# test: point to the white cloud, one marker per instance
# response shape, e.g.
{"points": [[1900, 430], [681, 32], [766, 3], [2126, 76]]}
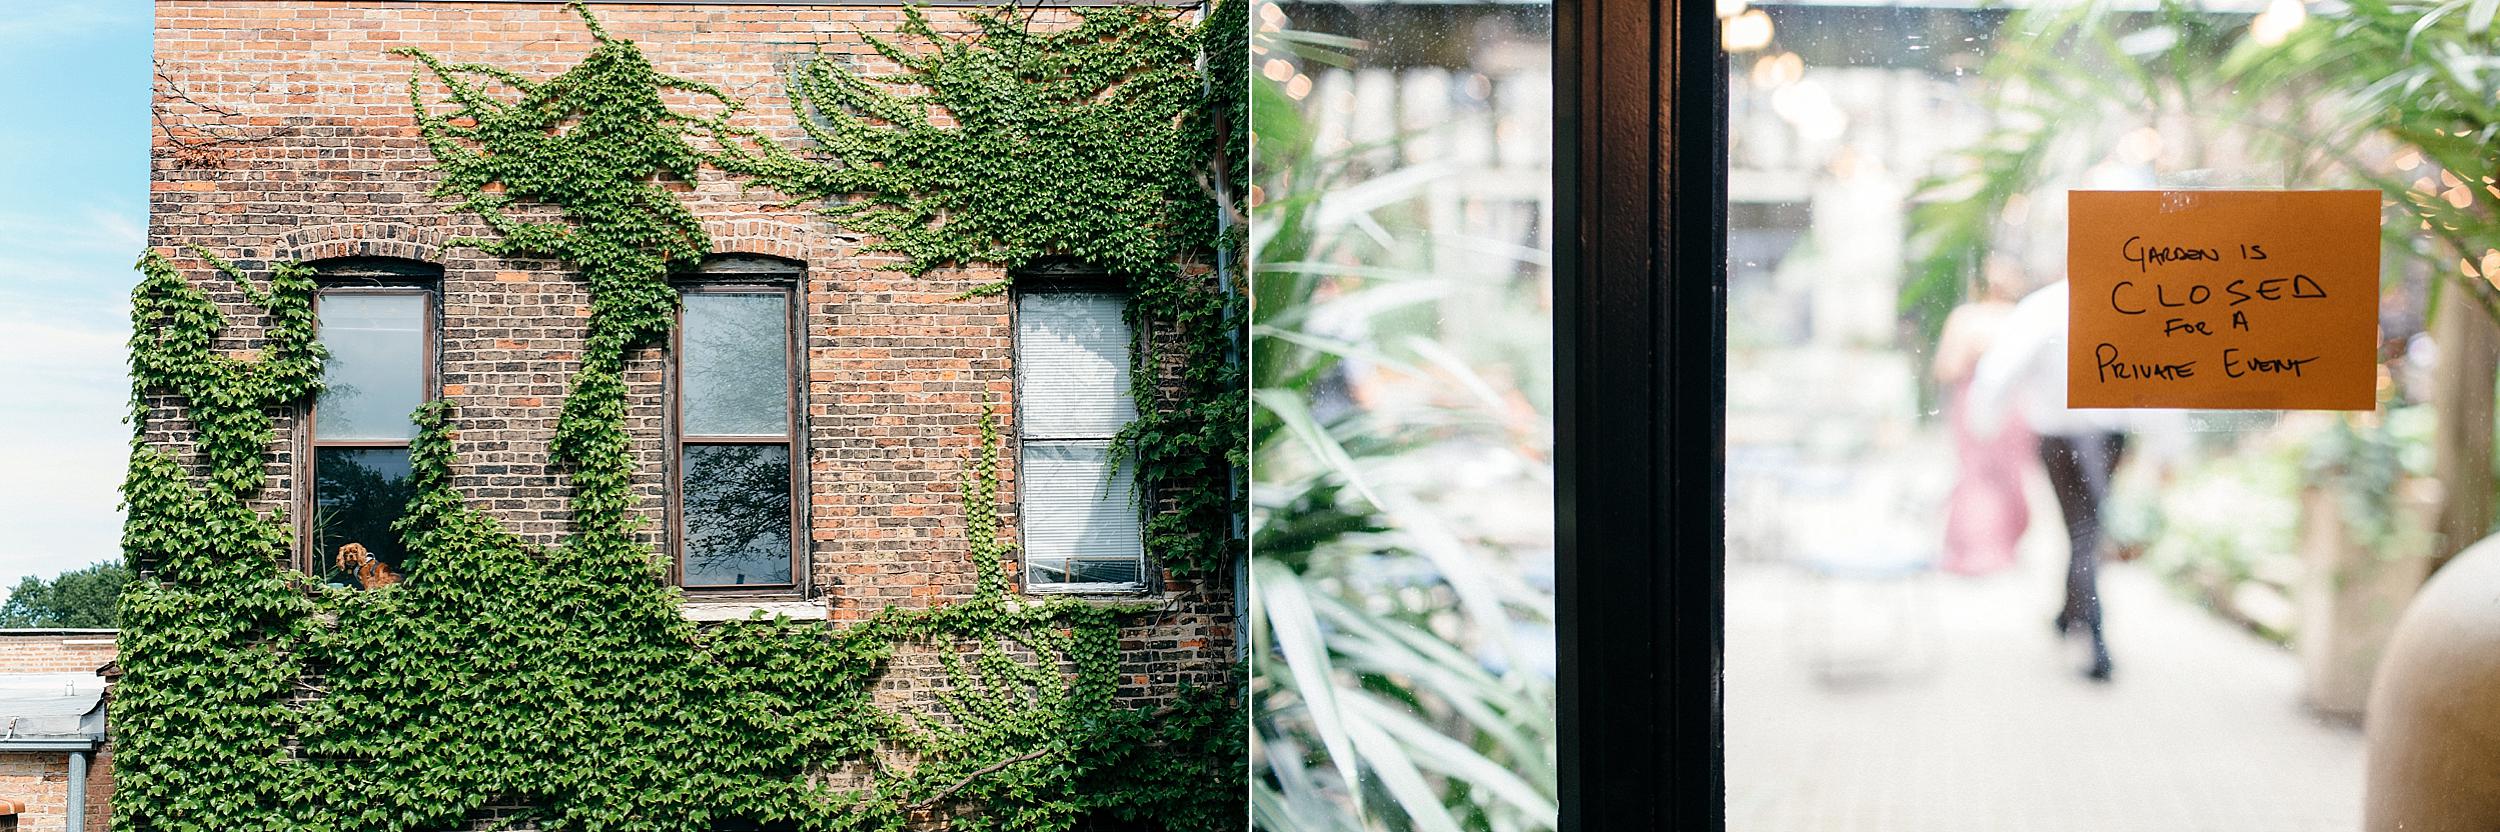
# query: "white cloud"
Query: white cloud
{"points": [[78, 244], [63, 341], [69, 490], [120, 230], [55, 341], [64, 326]]}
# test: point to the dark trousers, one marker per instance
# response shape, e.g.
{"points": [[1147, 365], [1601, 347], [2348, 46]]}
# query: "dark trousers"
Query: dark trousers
{"points": [[2079, 469]]}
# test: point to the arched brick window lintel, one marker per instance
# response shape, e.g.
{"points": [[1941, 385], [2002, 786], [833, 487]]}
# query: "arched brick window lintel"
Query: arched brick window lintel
{"points": [[334, 241]]}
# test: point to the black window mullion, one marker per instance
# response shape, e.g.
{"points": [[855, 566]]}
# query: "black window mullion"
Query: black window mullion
{"points": [[1640, 399]]}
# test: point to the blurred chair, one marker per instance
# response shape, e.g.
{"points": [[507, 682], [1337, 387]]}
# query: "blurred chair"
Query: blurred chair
{"points": [[1868, 609]]}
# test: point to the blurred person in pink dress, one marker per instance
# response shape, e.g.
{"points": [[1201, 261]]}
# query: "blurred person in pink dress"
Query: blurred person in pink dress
{"points": [[1986, 513]]}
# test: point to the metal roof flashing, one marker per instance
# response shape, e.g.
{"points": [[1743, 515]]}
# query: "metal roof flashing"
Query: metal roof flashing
{"points": [[51, 711]]}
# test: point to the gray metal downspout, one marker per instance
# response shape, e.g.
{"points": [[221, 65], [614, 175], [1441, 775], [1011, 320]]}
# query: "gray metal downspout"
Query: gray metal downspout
{"points": [[1233, 354], [1232, 475], [77, 810]]}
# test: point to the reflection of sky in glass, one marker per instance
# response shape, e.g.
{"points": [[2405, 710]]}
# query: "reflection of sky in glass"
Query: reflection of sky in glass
{"points": [[736, 364], [736, 501], [375, 374]]}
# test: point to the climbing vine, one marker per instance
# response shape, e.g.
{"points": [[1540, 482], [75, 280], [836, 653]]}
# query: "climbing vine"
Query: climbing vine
{"points": [[560, 688], [1105, 143]]}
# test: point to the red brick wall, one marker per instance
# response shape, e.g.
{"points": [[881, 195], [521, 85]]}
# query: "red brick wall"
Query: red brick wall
{"points": [[301, 146], [100, 788], [55, 651], [42, 780]]}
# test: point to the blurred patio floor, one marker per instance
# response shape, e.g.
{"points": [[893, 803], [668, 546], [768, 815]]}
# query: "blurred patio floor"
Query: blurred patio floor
{"points": [[2202, 729]]}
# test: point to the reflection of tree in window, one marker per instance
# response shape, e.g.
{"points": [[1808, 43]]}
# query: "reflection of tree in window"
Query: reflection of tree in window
{"points": [[358, 494], [736, 501]]}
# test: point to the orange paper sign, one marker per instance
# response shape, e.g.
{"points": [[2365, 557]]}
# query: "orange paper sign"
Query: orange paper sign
{"points": [[2223, 299]]}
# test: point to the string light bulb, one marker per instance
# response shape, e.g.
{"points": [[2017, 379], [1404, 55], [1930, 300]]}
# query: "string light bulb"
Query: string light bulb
{"points": [[2277, 22], [1746, 32]]}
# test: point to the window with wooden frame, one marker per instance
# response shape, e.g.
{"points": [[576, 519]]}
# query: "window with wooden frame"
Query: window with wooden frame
{"points": [[377, 321], [736, 467], [1080, 516]]}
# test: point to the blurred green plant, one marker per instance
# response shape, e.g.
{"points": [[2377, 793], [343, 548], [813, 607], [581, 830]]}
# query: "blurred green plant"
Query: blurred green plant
{"points": [[2364, 459], [2226, 528], [1397, 683], [2412, 82], [2228, 525]]}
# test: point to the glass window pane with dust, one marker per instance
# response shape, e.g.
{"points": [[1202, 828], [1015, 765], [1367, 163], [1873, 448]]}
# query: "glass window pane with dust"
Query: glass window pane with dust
{"points": [[1082, 523], [1402, 417], [1955, 602], [1072, 360], [357, 494], [734, 485], [736, 364]]}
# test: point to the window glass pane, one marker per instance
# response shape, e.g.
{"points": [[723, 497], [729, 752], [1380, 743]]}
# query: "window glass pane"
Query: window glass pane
{"points": [[357, 494], [736, 366], [2049, 618], [1046, 570], [1076, 506], [1040, 571], [1072, 364], [375, 375], [736, 501], [1401, 355], [1106, 571]]}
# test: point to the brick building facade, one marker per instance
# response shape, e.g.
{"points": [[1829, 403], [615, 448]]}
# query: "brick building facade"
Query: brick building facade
{"points": [[286, 134], [37, 666]]}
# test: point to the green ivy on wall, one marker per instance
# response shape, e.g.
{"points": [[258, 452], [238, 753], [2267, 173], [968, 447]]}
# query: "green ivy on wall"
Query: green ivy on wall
{"points": [[564, 680], [1105, 142]]}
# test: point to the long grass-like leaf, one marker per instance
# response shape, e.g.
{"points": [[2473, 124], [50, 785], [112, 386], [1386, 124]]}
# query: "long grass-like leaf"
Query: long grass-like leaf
{"points": [[1289, 408], [1415, 796], [1452, 758], [1295, 627]]}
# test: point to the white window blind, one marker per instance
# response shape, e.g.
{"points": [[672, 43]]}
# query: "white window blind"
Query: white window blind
{"points": [[1081, 522], [1072, 361]]}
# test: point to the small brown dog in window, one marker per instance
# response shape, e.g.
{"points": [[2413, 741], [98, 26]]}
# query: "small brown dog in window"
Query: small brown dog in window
{"points": [[369, 570]]}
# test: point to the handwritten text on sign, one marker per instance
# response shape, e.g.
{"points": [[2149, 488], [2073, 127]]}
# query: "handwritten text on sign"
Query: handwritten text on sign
{"points": [[2223, 299]]}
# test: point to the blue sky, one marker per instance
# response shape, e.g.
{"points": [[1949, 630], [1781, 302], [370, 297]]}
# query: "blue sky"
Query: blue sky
{"points": [[74, 81]]}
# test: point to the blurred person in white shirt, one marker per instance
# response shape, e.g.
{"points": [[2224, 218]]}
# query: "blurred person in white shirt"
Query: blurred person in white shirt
{"points": [[2024, 374]]}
